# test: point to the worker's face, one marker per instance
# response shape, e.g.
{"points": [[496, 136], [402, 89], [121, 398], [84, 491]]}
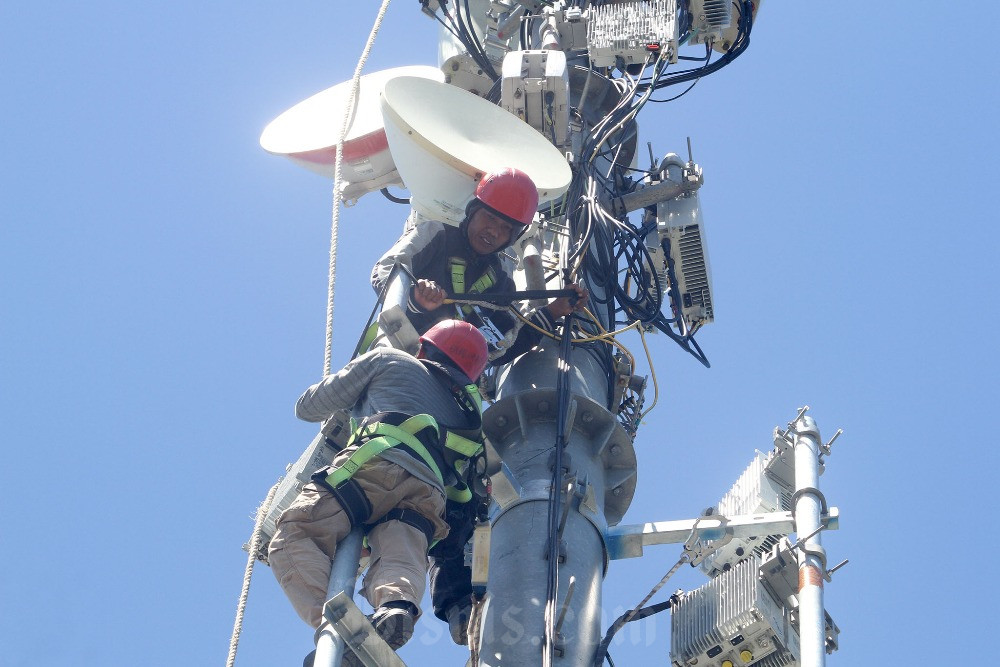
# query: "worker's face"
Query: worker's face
{"points": [[488, 232]]}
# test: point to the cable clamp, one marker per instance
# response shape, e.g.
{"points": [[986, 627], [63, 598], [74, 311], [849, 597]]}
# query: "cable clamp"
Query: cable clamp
{"points": [[811, 490], [814, 550], [696, 549]]}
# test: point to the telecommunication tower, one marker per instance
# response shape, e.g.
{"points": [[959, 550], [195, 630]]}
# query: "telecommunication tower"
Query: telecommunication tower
{"points": [[555, 88]]}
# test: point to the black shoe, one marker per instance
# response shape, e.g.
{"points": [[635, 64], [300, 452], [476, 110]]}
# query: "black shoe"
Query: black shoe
{"points": [[308, 660], [394, 622]]}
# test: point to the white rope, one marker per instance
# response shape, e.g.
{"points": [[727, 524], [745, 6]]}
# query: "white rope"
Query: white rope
{"points": [[475, 630], [507, 340], [351, 107], [254, 547], [349, 111]]}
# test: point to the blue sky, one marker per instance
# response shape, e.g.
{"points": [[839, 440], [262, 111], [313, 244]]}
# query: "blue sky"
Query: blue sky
{"points": [[163, 303]]}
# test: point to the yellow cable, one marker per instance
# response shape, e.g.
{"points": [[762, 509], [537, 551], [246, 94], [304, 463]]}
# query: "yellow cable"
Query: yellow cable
{"points": [[605, 336], [652, 372], [609, 337], [531, 324]]}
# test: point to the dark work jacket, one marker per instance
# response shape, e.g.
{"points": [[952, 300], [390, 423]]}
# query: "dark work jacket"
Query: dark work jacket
{"points": [[427, 250]]}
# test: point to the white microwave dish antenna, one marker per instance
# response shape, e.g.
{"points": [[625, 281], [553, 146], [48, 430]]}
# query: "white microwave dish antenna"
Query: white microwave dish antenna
{"points": [[444, 140], [308, 133]]}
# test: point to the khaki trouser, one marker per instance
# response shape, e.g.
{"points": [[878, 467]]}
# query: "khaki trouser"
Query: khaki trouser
{"points": [[307, 534]]}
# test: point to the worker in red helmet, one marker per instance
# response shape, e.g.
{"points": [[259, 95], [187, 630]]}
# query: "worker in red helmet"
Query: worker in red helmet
{"points": [[469, 259], [420, 428]]}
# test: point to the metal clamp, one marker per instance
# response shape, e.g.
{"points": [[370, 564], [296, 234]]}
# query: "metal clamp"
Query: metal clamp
{"points": [[812, 550], [783, 439], [828, 445], [696, 550], [814, 491]]}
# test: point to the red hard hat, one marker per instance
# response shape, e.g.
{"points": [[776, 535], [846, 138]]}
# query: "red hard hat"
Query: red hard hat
{"points": [[511, 193], [462, 343]]}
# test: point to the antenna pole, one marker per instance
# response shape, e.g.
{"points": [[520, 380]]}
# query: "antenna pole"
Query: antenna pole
{"points": [[343, 575], [809, 505]]}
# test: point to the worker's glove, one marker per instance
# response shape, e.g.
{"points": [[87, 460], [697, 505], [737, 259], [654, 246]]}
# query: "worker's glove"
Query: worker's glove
{"points": [[458, 621]]}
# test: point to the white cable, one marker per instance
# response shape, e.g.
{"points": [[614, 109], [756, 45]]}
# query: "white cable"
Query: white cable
{"points": [[253, 548], [351, 107]]}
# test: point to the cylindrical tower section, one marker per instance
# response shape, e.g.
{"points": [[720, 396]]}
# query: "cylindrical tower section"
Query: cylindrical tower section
{"points": [[599, 461], [808, 512]]}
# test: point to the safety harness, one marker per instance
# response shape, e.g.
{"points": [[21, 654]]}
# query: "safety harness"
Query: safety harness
{"points": [[485, 281], [467, 311], [436, 446]]}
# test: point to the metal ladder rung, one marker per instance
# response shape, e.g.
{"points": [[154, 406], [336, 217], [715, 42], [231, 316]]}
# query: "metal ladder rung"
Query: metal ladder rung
{"points": [[358, 633]]}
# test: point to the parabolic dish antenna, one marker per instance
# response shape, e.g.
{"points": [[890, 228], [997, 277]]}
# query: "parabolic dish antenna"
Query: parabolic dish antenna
{"points": [[444, 139], [307, 133]]}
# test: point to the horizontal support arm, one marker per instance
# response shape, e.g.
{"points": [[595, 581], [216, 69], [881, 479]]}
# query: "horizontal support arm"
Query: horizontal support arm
{"points": [[652, 194], [628, 541]]}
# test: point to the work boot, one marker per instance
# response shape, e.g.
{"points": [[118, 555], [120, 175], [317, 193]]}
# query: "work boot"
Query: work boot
{"points": [[458, 621], [393, 622]]}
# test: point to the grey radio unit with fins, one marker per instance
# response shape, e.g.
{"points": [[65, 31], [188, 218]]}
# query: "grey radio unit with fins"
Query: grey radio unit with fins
{"points": [[331, 439], [767, 485], [678, 251], [745, 617]]}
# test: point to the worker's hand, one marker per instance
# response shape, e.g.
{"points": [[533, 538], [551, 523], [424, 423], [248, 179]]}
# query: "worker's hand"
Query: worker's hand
{"points": [[428, 294], [562, 307]]}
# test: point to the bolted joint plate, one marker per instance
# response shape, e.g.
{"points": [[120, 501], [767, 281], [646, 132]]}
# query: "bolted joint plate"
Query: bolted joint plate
{"points": [[594, 435]]}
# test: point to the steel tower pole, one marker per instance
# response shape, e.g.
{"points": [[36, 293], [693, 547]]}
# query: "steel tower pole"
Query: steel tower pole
{"points": [[600, 466], [808, 508], [343, 576]]}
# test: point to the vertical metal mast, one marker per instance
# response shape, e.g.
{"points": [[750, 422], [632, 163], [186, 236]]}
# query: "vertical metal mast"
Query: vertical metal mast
{"points": [[565, 467], [598, 484], [809, 505], [343, 575]]}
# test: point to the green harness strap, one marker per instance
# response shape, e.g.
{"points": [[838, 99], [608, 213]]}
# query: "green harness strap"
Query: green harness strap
{"points": [[462, 445], [382, 437], [485, 281], [459, 441], [459, 495], [457, 275], [471, 403], [458, 265]]}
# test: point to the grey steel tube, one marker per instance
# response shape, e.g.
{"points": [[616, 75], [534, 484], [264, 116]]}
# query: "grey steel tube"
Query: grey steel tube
{"points": [[343, 575], [808, 510], [599, 458], [534, 273]]}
